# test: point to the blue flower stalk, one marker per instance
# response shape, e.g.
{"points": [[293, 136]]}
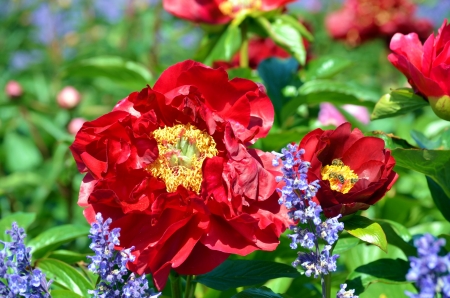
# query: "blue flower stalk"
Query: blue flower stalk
{"points": [[110, 264], [17, 277], [429, 271], [297, 195]]}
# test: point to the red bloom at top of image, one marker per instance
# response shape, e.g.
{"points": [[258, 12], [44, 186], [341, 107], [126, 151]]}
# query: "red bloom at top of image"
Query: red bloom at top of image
{"points": [[361, 20], [217, 11], [171, 167], [354, 171]]}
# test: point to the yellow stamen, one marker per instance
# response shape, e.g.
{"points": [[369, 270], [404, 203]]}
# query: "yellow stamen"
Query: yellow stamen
{"points": [[341, 177], [182, 150], [233, 7]]}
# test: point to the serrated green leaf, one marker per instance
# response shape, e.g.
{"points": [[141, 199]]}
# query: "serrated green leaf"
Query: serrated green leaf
{"points": [[383, 270], [262, 292], [64, 294], [318, 91], [367, 230], [325, 67], [398, 102], [225, 47], [128, 74], [239, 273], [65, 276], [52, 238], [67, 256], [23, 220], [21, 154]]}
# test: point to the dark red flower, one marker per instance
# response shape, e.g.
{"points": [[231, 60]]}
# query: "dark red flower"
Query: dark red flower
{"points": [[354, 171], [427, 67], [360, 20], [217, 11], [171, 167]]}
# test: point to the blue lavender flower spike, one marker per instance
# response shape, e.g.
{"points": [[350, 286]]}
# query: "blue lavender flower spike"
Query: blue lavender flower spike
{"points": [[16, 270], [110, 264], [346, 294]]}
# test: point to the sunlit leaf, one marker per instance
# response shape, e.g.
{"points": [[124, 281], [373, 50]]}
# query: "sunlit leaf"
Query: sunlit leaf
{"points": [[367, 230], [325, 67], [398, 102]]}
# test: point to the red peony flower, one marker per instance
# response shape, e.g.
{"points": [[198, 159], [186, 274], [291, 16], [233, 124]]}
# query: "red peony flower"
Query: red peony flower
{"points": [[427, 67], [217, 11], [361, 20], [171, 167], [354, 171]]}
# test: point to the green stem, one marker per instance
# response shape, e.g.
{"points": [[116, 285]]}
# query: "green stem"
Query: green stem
{"points": [[243, 52], [175, 282], [326, 285], [190, 287]]}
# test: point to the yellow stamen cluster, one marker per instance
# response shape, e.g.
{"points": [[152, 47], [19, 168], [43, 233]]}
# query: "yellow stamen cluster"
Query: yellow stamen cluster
{"points": [[182, 150], [341, 177], [232, 7]]}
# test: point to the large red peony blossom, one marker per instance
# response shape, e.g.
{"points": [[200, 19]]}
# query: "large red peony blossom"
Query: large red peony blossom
{"points": [[427, 67], [171, 167], [361, 20], [354, 171], [217, 11]]}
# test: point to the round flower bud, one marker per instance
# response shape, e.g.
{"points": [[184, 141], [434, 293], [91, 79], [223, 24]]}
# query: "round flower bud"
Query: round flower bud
{"points": [[68, 97], [74, 125], [13, 89]]}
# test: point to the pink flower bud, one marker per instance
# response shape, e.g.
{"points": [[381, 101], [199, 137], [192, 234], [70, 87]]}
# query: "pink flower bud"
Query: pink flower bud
{"points": [[68, 97], [13, 89], [330, 115], [74, 125]]}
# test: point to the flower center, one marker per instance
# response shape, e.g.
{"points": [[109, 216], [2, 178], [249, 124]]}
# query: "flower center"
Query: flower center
{"points": [[232, 7], [341, 177], [182, 150]]}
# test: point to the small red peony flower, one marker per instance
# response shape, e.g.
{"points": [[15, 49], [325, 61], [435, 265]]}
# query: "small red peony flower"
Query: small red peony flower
{"points": [[171, 167], [354, 171], [361, 20], [218, 11], [427, 67]]}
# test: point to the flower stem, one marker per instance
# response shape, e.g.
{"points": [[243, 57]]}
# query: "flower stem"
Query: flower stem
{"points": [[175, 282], [243, 52], [326, 285], [190, 287]]}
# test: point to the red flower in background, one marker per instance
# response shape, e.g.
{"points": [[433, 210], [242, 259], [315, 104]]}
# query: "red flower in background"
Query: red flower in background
{"points": [[360, 20], [171, 167], [427, 67], [217, 11], [354, 171]]}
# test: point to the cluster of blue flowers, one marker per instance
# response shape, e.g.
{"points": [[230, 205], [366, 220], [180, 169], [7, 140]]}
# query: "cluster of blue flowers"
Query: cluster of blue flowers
{"points": [[110, 265], [297, 194], [429, 271], [17, 277]]}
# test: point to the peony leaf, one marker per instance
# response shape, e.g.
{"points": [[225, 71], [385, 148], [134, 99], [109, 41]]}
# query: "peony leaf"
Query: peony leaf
{"points": [[225, 46], [344, 244], [423, 142], [297, 25], [440, 198], [65, 276], [367, 230], [318, 91], [262, 292], [376, 271], [23, 220], [397, 235], [239, 273], [398, 102], [391, 141], [325, 67], [45, 242]]}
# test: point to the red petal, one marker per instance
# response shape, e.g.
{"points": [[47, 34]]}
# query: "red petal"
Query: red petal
{"points": [[363, 150], [196, 11]]}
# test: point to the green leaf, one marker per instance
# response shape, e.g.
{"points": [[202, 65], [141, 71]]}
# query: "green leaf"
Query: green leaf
{"points": [[383, 270], [325, 67], [318, 91], [398, 102], [239, 273], [67, 256], [48, 125], [127, 74], [440, 198], [24, 220], [277, 140], [262, 292], [344, 244], [276, 74], [391, 141], [226, 46], [65, 276], [433, 163], [434, 228], [19, 179], [240, 72], [447, 241], [294, 22], [52, 238], [64, 294], [367, 230], [21, 153], [397, 235], [423, 141]]}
